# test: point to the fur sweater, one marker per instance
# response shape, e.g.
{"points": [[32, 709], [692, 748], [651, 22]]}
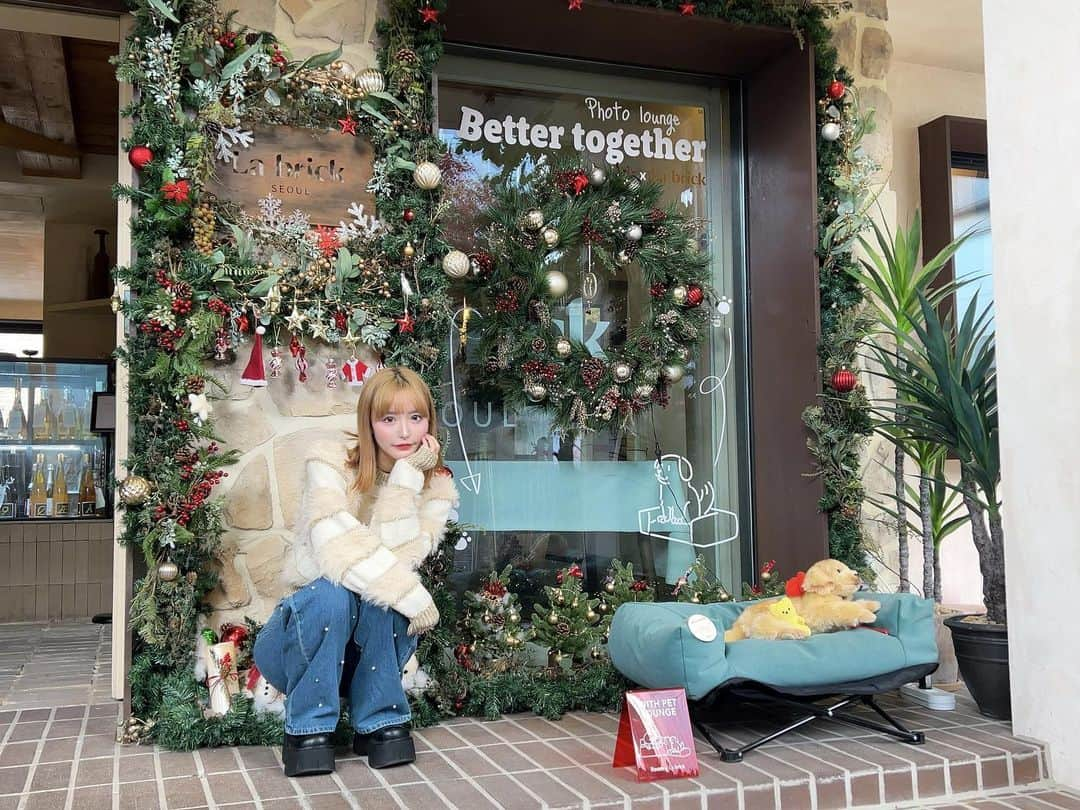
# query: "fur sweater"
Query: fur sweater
{"points": [[370, 543]]}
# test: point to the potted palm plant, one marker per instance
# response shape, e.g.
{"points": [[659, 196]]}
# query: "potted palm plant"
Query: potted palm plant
{"points": [[946, 382]]}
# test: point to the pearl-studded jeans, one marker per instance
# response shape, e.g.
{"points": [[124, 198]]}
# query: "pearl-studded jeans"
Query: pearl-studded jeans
{"points": [[301, 651]]}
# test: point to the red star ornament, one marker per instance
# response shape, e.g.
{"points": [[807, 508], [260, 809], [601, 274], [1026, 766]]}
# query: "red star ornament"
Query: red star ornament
{"points": [[687, 9], [405, 323], [347, 124], [429, 15], [573, 5]]}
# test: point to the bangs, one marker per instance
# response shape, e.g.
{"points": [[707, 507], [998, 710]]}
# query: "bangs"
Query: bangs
{"points": [[399, 396]]}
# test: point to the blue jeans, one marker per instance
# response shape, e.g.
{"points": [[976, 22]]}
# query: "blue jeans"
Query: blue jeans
{"points": [[301, 651]]}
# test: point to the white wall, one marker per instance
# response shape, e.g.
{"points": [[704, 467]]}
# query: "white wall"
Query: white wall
{"points": [[1033, 108]]}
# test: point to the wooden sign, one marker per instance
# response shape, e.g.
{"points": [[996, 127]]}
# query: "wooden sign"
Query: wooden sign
{"points": [[655, 735], [321, 172]]}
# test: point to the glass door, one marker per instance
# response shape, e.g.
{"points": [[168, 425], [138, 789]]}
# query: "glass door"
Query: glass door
{"points": [[675, 483]]}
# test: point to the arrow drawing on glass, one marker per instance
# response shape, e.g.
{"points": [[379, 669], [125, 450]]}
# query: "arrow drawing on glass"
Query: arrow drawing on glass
{"points": [[471, 481]]}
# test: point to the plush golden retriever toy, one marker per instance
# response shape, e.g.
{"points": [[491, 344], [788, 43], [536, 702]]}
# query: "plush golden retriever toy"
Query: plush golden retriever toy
{"points": [[821, 597]]}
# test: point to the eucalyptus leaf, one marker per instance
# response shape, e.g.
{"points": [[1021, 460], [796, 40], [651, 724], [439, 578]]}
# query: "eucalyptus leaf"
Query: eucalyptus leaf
{"points": [[318, 60], [237, 64], [163, 9], [272, 98], [387, 97], [197, 69], [263, 287], [370, 110], [402, 163]]}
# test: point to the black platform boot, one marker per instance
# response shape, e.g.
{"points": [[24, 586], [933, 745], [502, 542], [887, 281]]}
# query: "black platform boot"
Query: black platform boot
{"points": [[386, 747], [308, 754]]}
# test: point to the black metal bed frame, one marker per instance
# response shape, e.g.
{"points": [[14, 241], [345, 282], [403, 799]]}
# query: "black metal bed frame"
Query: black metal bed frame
{"points": [[837, 698]]}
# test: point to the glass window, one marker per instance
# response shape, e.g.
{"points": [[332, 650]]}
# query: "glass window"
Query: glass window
{"points": [[546, 500], [971, 214]]}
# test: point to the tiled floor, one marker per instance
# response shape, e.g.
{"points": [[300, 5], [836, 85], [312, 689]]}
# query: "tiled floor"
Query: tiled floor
{"points": [[63, 756], [54, 664]]}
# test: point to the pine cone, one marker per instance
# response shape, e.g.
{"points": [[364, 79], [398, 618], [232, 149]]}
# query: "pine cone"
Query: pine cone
{"points": [[407, 56], [562, 628], [195, 385]]}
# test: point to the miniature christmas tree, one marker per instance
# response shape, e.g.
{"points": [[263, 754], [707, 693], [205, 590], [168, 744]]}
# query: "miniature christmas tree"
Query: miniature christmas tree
{"points": [[567, 625], [491, 625], [700, 586], [769, 584], [620, 586]]}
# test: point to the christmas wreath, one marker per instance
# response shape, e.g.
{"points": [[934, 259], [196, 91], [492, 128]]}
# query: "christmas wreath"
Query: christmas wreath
{"points": [[527, 231]]}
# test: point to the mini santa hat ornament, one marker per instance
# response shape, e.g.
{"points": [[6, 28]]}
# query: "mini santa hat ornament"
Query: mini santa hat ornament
{"points": [[254, 375]]}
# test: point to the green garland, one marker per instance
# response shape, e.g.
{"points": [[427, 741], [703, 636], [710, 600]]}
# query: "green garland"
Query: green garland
{"points": [[199, 78]]}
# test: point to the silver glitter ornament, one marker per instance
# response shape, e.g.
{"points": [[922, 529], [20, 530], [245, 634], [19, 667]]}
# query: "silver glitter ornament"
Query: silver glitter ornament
{"points": [[678, 294], [456, 264], [597, 176], [533, 220], [563, 347], [621, 371], [634, 233], [550, 237], [673, 372], [557, 283]]}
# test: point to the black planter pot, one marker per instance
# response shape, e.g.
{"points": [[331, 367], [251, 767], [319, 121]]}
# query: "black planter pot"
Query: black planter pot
{"points": [[982, 653]]}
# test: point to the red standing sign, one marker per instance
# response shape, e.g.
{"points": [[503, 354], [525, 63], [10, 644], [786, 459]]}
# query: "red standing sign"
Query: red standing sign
{"points": [[655, 735]]}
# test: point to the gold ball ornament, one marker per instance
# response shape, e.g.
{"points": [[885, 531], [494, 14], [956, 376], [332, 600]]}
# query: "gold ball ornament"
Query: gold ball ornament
{"points": [[533, 220], [513, 617], [550, 237], [370, 81], [678, 294], [134, 490], [409, 251], [622, 371], [427, 175], [536, 392], [456, 264], [168, 571], [563, 347], [609, 587], [591, 616], [695, 599], [553, 617], [766, 576], [114, 303], [557, 283], [673, 372]]}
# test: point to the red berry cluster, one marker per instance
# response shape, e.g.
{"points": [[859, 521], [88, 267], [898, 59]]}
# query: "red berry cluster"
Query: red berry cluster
{"points": [[507, 302], [548, 372], [182, 425], [227, 40], [163, 279], [198, 495], [166, 337], [181, 306], [341, 320], [483, 261], [278, 58], [639, 585], [589, 233], [218, 307]]}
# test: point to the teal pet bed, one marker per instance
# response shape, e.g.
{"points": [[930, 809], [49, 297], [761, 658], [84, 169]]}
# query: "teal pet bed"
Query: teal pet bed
{"points": [[652, 645]]}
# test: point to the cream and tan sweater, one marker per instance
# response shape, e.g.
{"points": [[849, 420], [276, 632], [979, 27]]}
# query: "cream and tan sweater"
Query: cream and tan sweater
{"points": [[371, 543]]}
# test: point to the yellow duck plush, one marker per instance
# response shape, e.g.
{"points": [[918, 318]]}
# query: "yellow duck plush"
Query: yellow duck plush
{"points": [[779, 620]]}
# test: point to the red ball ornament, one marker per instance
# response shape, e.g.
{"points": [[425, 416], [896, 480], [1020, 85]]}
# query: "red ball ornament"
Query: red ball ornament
{"points": [[836, 90], [843, 380], [139, 156], [694, 295], [408, 215], [236, 633]]}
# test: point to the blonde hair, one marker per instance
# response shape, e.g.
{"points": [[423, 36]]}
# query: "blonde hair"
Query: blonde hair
{"points": [[376, 399]]}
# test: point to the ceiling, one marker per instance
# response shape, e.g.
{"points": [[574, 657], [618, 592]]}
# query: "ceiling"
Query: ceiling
{"points": [[55, 103], [941, 34]]}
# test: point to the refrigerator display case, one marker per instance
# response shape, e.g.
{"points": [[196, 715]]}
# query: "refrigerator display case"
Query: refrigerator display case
{"points": [[53, 465]]}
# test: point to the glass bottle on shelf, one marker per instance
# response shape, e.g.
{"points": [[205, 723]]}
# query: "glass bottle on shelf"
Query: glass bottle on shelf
{"points": [[9, 488], [39, 497], [40, 416], [87, 496], [49, 483], [68, 417], [59, 490], [17, 427], [98, 284]]}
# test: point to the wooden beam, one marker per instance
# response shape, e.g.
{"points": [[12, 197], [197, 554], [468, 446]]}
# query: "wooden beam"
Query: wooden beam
{"points": [[14, 137], [34, 89]]}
